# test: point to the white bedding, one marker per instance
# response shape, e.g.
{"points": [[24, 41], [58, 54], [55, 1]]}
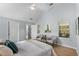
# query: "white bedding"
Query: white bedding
{"points": [[33, 48]]}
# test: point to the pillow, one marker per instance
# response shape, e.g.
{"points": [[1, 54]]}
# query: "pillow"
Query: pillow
{"points": [[5, 51], [12, 46]]}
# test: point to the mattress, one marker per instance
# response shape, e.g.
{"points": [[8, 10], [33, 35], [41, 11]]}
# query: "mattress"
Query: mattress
{"points": [[33, 48]]}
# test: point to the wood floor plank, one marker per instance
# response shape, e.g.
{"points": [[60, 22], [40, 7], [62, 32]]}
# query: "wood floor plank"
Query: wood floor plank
{"points": [[64, 51]]}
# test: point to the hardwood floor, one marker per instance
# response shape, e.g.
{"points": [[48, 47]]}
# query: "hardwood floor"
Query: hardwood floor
{"points": [[64, 51]]}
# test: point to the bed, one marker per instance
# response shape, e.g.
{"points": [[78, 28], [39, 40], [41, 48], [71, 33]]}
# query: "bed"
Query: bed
{"points": [[33, 48]]}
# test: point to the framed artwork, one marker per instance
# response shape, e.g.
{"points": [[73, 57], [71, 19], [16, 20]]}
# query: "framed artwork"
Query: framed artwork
{"points": [[64, 30]]}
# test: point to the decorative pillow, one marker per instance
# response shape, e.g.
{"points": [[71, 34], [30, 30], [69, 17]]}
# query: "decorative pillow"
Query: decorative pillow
{"points": [[12, 46], [43, 37], [38, 37]]}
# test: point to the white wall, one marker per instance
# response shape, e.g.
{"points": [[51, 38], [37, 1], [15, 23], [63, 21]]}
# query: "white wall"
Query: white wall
{"points": [[3, 29], [58, 13], [22, 31], [77, 15]]}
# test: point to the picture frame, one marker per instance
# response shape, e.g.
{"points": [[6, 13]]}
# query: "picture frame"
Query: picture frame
{"points": [[64, 30]]}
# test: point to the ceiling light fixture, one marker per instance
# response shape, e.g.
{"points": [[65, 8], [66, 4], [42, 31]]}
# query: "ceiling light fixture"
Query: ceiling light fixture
{"points": [[33, 7]]}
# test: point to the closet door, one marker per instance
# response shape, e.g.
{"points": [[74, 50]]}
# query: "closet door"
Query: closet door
{"points": [[13, 31]]}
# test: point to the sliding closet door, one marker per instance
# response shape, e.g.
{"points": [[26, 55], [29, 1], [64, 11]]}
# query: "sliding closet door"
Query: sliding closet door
{"points": [[13, 31]]}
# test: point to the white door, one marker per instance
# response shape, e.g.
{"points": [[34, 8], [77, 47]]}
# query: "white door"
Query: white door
{"points": [[14, 31]]}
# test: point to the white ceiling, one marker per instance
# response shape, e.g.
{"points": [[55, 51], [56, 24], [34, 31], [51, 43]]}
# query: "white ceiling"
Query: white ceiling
{"points": [[21, 11], [14, 11]]}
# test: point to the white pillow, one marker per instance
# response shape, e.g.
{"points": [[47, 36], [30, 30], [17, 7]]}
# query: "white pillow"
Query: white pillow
{"points": [[5, 51], [51, 36]]}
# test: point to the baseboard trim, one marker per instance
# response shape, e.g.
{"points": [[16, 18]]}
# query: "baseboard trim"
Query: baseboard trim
{"points": [[77, 52], [66, 46]]}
